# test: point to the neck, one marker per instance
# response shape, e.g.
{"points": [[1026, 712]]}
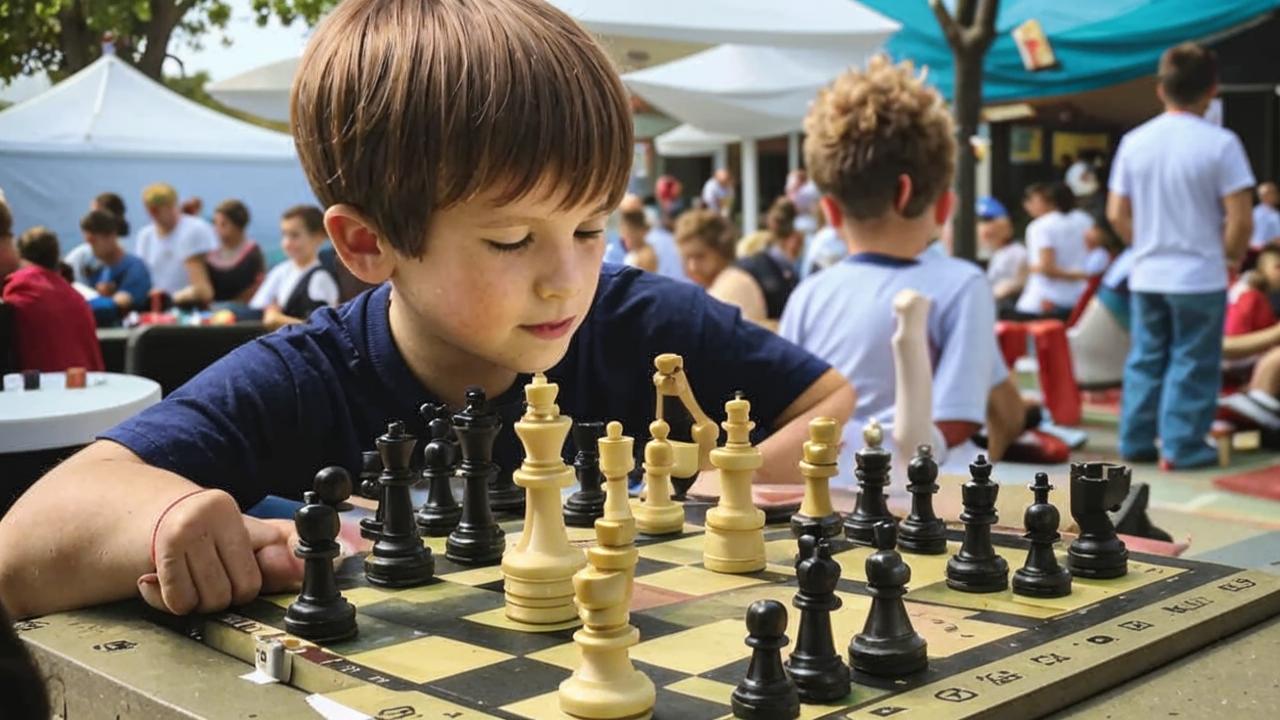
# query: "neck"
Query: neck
{"points": [[112, 256], [442, 368], [166, 229], [304, 262], [233, 242], [1199, 109], [891, 236]]}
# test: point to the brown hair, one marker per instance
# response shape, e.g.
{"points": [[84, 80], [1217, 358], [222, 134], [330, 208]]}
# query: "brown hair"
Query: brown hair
{"points": [[6, 220], [39, 245], [1187, 73], [404, 107], [634, 219], [114, 204], [781, 219], [1056, 193], [708, 227], [100, 222], [234, 211], [310, 215], [867, 128]]}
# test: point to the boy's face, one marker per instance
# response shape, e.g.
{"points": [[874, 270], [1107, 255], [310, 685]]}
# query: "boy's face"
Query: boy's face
{"points": [[632, 236], [701, 263], [1269, 266], [102, 244], [225, 229], [165, 216], [507, 284], [299, 245], [992, 233], [1036, 205]]}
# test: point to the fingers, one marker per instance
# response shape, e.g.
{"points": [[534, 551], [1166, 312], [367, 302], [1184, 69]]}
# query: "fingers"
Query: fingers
{"points": [[177, 590], [149, 589], [281, 569], [236, 554], [213, 587]]}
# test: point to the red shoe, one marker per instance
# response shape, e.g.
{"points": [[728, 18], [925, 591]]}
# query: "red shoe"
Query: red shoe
{"points": [[1038, 448]]}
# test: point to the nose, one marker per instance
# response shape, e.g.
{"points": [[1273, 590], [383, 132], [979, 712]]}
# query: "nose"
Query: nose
{"points": [[559, 276]]}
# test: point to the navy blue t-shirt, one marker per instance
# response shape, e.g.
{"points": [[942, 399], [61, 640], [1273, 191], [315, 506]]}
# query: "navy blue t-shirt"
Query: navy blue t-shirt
{"points": [[266, 417]]}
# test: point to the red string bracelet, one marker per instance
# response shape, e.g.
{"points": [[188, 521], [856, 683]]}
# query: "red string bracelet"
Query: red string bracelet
{"points": [[156, 529]]}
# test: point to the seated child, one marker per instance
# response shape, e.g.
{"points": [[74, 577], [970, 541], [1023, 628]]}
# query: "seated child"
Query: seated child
{"points": [[633, 227], [121, 280], [1007, 267], [299, 285], [84, 266], [53, 326], [1056, 246], [483, 227], [1248, 300], [236, 266], [886, 180]]}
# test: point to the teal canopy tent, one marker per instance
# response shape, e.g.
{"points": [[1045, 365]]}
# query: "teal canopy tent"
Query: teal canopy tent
{"points": [[1098, 43]]}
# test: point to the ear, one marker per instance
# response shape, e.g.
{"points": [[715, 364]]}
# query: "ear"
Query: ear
{"points": [[832, 210], [942, 209], [903, 194], [356, 241]]}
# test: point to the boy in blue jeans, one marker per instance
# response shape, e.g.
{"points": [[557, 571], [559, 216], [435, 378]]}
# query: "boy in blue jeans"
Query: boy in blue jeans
{"points": [[469, 153], [1180, 194]]}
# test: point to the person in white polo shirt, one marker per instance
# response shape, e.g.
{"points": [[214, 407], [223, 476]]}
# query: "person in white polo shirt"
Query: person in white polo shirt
{"points": [[1056, 252], [173, 246], [1181, 188]]}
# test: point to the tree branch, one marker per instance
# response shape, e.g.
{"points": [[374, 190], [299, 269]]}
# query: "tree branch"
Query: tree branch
{"points": [[965, 12], [987, 15], [950, 30]]}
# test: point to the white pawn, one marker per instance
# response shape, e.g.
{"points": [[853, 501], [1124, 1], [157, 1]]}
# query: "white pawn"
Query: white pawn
{"points": [[657, 513], [735, 526], [538, 571]]}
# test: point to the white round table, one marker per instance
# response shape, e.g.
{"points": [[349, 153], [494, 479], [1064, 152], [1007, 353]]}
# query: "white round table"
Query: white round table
{"points": [[55, 417]]}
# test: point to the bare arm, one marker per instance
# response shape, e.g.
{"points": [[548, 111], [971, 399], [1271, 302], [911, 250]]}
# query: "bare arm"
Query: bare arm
{"points": [[1235, 347], [1239, 225], [1120, 213], [1047, 265], [1013, 287], [829, 396], [200, 291]]}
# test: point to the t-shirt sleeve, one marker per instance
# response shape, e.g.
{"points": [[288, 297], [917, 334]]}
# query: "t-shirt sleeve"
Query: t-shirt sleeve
{"points": [[1119, 182], [966, 339], [198, 241], [221, 427], [137, 282], [1234, 171], [323, 288], [791, 326]]}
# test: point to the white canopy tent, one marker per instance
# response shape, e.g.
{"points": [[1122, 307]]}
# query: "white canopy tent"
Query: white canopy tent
{"points": [[111, 128], [689, 141], [262, 91]]}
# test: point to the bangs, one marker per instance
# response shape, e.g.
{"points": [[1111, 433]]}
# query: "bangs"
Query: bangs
{"points": [[403, 107]]}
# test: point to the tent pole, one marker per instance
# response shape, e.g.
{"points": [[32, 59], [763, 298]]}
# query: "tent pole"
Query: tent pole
{"points": [[750, 186], [793, 151]]}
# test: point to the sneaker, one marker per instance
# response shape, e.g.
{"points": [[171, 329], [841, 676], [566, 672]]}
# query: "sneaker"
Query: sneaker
{"points": [[1247, 406]]}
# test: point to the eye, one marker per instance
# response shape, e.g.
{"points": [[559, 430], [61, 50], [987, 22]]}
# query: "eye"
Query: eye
{"points": [[589, 234], [506, 247]]}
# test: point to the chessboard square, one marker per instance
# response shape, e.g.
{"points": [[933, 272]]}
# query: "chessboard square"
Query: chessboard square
{"points": [[674, 705], [1005, 602], [520, 678], [661, 675], [497, 617], [564, 655], [696, 650], [1139, 575], [709, 690], [648, 566], [475, 576], [781, 552], [644, 597], [541, 707], [686, 550], [698, 581], [427, 659]]}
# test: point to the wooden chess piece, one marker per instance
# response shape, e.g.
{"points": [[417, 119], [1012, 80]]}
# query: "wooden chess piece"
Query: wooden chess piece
{"points": [[977, 568], [818, 670], [691, 456], [538, 572], [817, 467], [656, 513], [371, 489], [766, 693], [912, 375], [1097, 553], [1041, 575], [922, 531], [735, 526], [333, 486], [872, 471], [584, 506], [605, 685], [477, 540], [440, 514], [320, 613], [398, 558], [888, 645]]}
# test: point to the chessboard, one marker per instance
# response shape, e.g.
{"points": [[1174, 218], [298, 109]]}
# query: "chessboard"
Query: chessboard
{"points": [[447, 650]]}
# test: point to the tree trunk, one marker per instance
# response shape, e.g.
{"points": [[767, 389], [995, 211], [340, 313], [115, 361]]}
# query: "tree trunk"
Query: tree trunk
{"points": [[75, 40], [968, 107], [165, 16]]}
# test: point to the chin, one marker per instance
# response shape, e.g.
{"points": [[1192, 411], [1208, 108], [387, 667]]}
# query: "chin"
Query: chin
{"points": [[535, 359]]}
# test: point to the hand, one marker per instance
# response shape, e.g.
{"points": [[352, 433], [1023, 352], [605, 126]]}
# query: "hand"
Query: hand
{"points": [[106, 289], [123, 300], [208, 556]]}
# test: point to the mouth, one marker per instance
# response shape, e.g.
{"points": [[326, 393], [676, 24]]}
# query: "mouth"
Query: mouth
{"points": [[550, 330]]}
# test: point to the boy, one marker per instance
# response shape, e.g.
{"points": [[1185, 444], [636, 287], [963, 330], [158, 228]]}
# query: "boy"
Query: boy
{"points": [[1187, 215], [53, 326], [1007, 266], [886, 189], [120, 279], [483, 224], [174, 245], [633, 227], [300, 285]]}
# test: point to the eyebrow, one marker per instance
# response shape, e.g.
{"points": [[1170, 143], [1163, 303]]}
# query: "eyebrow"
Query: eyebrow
{"points": [[505, 221]]}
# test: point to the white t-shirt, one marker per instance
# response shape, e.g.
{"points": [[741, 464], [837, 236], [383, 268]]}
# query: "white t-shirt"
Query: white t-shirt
{"points": [[1063, 234], [281, 280], [717, 197], [1006, 263], [1096, 262], [1266, 225], [844, 315], [1175, 169], [165, 256]]}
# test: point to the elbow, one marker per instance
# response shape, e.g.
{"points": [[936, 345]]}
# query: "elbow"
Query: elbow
{"points": [[843, 401]]}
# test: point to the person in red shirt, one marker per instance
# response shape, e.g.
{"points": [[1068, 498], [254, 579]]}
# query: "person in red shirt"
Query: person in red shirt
{"points": [[1248, 302], [53, 325]]}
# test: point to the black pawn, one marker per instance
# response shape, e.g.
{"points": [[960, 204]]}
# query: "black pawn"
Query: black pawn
{"points": [[320, 613], [439, 515], [477, 540], [888, 645], [977, 568], [398, 559], [371, 489], [922, 531], [333, 487], [1041, 575], [766, 693], [872, 471], [818, 670], [583, 507], [1096, 488]]}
